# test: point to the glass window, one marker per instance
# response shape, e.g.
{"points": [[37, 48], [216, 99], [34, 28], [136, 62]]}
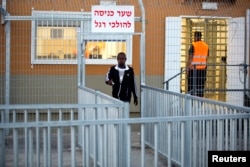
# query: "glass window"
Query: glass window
{"points": [[54, 41], [104, 49]]}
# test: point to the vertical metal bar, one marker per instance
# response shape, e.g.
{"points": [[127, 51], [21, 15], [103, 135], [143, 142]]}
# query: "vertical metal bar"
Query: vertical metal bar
{"points": [[86, 146], [194, 146], [142, 52], [73, 144], [105, 140], [188, 132], [82, 137], [7, 73], [30, 152], [37, 141], [2, 148], [239, 132], [142, 145], [15, 141], [101, 147], [45, 147], [60, 142], [226, 134], [232, 134], [83, 145], [208, 137], [49, 139], [114, 151], [81, 57], [219, 134], [222, 124], [128, 145], [169, 144], [245, 135], [204, 153], [142, 43], [194, 80], [126, 135], [121, 139], [2, 153], [156, 144], [26, 139], [182, 144], [245, 81], [247, 48], [94, 140]]}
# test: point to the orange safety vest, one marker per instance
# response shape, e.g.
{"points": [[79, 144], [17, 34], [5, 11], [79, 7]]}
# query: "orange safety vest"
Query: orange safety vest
{"points": [[200, 55]]}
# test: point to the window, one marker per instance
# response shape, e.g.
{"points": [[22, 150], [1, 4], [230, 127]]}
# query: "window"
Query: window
{"points": [[55, 41], [102, 48], [105, 51]]}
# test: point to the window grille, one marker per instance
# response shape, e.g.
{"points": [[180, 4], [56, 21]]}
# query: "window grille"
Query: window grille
{"points": [[56, 33], [55, 41]]}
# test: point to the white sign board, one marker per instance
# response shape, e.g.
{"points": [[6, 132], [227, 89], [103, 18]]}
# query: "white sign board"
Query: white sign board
{"points": [[112, 19]]}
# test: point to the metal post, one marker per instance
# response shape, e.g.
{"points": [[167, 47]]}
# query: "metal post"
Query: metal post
{"points": [[142, 51], [167, 85], [194, 81], [80, 60], [245, 81], [7, 74], [187, 133]]}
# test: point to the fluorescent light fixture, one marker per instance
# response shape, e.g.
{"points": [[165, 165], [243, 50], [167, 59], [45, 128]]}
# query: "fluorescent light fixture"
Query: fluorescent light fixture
{"points": [[209, 5], [107, 2]]}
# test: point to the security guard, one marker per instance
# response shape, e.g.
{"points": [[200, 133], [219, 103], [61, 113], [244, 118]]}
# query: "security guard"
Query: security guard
{"points": [[197, 65]]}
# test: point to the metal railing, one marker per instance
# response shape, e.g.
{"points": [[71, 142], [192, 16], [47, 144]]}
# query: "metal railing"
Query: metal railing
{"points": [[112, 151], [174, 127], [224, 131], [243, 68], [48, 135], [53, 143]]}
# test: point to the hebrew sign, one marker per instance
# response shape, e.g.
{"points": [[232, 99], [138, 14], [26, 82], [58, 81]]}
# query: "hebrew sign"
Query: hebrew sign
{"points": [[112, 19]]}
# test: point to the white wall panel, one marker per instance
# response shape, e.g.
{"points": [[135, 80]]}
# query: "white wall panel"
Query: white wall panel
{"points": [[172, 52], [235, 57]]}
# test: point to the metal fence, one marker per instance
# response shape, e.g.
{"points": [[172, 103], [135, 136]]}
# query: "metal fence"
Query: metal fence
{"points": [[105, 143], [50, 135], [212, 126], [174, 128], [61, 132], [224, 90]]}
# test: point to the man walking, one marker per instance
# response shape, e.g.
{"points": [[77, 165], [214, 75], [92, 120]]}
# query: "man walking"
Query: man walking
{"points": [[121, 78]]}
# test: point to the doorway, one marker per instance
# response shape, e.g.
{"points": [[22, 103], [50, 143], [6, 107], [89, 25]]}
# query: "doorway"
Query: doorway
{"points": [[214, 33]]}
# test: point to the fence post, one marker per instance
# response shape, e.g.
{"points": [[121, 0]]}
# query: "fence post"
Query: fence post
{"points": [[187, 133]]}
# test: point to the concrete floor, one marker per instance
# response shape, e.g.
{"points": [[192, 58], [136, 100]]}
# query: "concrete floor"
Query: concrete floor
{"points": [[135, 156]]}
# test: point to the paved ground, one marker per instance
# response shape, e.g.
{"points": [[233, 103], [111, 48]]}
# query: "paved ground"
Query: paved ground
{"points": [[135, 156]]}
